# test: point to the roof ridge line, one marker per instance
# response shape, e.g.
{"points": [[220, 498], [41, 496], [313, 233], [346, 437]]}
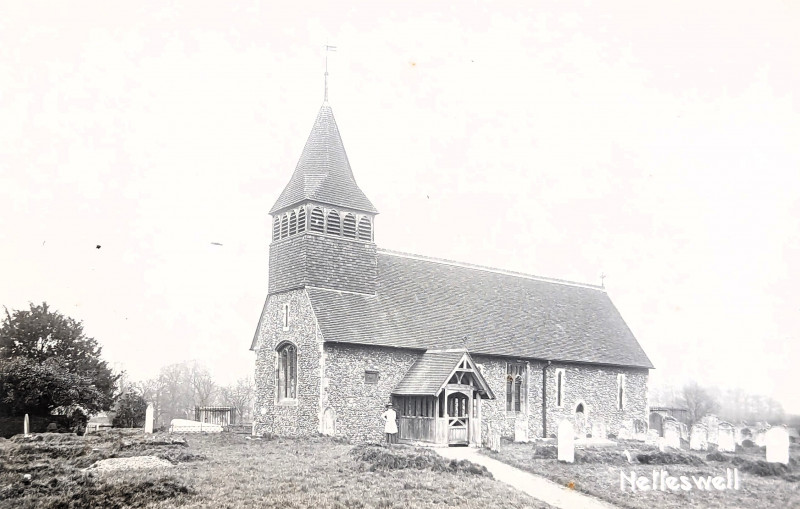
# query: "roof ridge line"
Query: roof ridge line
{"points": [[495, 270]]}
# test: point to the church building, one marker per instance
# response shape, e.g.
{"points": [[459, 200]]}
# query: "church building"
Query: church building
{"points": [[458, 349]]}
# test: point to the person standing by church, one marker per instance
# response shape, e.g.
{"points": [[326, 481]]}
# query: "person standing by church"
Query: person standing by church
{"points": [[390, 428]]}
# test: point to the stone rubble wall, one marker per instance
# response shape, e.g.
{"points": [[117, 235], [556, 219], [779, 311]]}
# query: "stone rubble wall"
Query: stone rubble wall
{"points": [[596, 388], [299, 417], [358, 405], [494, 370]]}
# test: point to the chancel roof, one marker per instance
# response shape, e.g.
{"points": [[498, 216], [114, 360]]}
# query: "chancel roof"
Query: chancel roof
{"points": [[323, 173], [428, 304]]}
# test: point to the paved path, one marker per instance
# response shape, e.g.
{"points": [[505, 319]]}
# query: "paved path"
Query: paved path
{"points": [[535, 486]]}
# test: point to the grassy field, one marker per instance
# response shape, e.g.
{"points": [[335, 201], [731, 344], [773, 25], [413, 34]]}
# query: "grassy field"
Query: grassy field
{"points": [[226, 470], [597, 472]]}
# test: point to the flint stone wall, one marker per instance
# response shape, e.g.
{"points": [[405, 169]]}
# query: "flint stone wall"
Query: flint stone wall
{"points": [[504, 422], [301, 416], [359, 405], [596, 388]]}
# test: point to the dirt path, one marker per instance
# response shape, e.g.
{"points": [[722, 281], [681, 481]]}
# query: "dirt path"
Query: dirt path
{"points": [[535, 486]]}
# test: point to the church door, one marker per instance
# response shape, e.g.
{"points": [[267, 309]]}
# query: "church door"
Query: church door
{"points": [[458, 418]]}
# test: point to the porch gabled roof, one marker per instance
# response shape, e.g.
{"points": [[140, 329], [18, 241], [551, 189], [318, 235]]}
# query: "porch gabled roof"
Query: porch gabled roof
{"points": [[432, 371]]}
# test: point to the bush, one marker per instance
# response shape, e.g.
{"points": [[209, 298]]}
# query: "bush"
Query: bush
{"points": [[747, 443], [761, 467], [717, 456], [381, 457], [669, 458]]}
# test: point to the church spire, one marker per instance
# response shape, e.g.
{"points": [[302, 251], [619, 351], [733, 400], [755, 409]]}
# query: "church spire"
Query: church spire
{"points": [[327, 49]]}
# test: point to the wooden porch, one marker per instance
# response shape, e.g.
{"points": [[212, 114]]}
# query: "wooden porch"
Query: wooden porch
{"points": [[450, 413]]}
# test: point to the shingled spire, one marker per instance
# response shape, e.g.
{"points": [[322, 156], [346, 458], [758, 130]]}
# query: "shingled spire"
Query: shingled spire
{"points": [[323, 173]]}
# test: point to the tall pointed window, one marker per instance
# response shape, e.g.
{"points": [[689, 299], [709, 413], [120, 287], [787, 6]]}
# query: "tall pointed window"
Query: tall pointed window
{"points": [[301, 220], [349, 226], [364, 229], [287, 372], [621, 392], [515, 387], [560, 381], [334, 223], [317, 223]]}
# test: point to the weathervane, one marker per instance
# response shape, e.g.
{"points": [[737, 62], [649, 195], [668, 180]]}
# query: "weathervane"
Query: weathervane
{"points": [[603, 279], [327, 49]]}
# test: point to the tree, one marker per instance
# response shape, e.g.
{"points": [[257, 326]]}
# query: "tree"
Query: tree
{"points": [[131, 411], [203, 385], [240, 396], [49, 364], [698, 401]]}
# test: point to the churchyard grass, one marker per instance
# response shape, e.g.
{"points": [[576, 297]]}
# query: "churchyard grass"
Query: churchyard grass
{"points": [[596, 472], [228, 470]]}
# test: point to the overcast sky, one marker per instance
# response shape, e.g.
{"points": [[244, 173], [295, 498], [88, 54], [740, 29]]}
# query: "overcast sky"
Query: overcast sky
{"points": [[658, 143]]}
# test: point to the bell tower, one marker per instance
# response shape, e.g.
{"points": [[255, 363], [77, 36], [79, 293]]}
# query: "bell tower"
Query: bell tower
{"points": [[322, 223]]}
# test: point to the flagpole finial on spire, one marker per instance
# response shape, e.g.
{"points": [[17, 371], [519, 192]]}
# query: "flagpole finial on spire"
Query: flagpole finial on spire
{"points": [[328, 48]]}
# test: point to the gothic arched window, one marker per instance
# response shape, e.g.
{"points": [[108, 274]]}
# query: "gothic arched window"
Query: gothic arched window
{"points": [[301, 220], [349, 226], [287, 372], [292, 223], [364, 229], [515, 392], [317, 220], [334, 223]]}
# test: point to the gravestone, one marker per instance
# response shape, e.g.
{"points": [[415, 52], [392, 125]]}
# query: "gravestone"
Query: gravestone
{"points": [[492, 438], [329, 422], [672, 433], [698, 439], [651, 437], [148, 419], [639, 430], [26, 425], [599, 430], [712, 425], [566, 442], [726, 437], [662, 444], [521, 430], [656, 423], [777, 441], [625, 430]]}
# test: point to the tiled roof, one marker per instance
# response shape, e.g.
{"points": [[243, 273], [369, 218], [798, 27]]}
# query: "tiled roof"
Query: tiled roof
{"points": [[431, 371], [323, 172], [432, 304]]}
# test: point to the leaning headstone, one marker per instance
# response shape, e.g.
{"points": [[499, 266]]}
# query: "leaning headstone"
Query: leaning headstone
{"points": [[26, 425], [599, 430], [672, 433], [520, 431], [726, 437], [698, 440], [148, 419], [566, 442], [777, 440]]}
